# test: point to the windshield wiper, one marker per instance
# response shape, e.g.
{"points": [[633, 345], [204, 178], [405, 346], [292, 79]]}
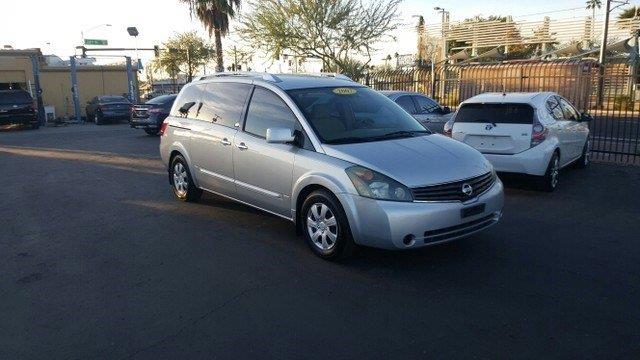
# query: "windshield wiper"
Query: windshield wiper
{"points": [[402, 133]]}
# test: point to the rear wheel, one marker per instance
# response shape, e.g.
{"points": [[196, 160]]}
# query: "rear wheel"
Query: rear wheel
{"points": [[584, 160], [325, 226], [181, 182], [549, 181]]}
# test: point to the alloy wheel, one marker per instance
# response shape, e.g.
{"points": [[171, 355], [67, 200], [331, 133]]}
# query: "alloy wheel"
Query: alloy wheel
{"points": [[180, 179], [322, 226]]}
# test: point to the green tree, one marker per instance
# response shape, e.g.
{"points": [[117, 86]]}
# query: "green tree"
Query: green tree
{"points": [[215, 15], [334, 31], [184, 53]]}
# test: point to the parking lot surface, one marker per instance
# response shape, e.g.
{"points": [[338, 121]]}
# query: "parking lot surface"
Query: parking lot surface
{"points": [[99, 261]]}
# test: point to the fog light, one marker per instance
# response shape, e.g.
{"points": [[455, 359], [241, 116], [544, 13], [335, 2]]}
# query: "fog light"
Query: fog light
{"points": [[408, 239]]}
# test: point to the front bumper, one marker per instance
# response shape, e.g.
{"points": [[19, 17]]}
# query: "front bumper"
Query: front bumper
{"points": [[387, 224], [144, 123], [532, 162], [6, 119]]}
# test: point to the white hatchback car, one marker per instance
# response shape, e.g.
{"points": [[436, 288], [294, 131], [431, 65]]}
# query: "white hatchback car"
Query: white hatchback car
{"points": [[530, 133]]}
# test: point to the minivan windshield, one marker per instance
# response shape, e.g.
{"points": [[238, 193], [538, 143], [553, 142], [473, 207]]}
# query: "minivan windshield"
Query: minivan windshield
{"points": [[495, 113], [14, 97], [342, 115]]}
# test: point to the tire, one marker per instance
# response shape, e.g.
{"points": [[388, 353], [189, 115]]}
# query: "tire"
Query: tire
{"points": [[151, 132], [584, 160], [181, 181], [97, 119], [549, 181], [325, 226]]}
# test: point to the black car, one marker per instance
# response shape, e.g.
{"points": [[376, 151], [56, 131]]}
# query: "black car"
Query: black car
{"points": [[16, 107], [150, 115], [102, 109]]}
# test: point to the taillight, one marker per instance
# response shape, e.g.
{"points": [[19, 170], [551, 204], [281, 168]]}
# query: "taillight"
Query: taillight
{"points": [[163, 128], [448, 128], [538, 133]]}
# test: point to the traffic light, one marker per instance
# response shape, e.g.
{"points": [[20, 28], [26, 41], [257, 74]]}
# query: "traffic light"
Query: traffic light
{"points": [[156, 50]]}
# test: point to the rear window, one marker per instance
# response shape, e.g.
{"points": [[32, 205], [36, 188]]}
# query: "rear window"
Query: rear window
{"points": [[112, 99], [495, 113], [162, 100], [14, 97]]}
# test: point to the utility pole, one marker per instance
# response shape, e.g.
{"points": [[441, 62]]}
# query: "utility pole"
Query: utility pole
{"points": [[603, 53]]}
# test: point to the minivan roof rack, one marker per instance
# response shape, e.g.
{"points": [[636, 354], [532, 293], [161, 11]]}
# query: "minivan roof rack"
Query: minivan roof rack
{"points": [[271, 77], [253, 74]]}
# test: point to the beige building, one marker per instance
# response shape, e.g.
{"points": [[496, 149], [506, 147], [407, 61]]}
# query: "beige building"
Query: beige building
{"points": [[16, 71]]}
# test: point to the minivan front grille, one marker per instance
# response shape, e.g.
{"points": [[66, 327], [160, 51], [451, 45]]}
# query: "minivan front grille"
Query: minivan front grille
{"points": [[455, 191]]}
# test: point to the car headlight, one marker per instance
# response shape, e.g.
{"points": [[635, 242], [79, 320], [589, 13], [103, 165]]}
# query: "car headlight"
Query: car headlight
{"points": [[374, 185]]}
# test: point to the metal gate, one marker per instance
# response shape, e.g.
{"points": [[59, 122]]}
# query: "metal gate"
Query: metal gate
{"points": [[613, 99]]}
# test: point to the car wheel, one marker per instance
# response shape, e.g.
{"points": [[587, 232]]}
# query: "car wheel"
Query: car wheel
{"points": [[584, 160], [97, 119], [181, 182], [325, 226], [151, 132], [549, 181]]}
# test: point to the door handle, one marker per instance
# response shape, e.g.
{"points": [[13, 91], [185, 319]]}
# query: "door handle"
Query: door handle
{"points": [[242, 146], [225, 142]]}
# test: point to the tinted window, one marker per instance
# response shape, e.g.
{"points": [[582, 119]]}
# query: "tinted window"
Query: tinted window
{"points": [[426, 105], [162, 100], [569, 112], [554, 109], [222, 103], [112, 99], [189, 94], [267, 110], [354, 114], [406, 103], [14, 97], [495, 113]]}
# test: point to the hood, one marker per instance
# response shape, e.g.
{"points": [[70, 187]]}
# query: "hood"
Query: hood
{"points": [[415, 161]]}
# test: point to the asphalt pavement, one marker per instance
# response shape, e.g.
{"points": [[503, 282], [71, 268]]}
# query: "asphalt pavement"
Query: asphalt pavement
{"points": [[98, 261]]}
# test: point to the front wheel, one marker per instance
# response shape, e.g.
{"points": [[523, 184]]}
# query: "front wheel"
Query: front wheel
{"points": [[181, 182], [97, 119], [325, 226], [549, 181]]}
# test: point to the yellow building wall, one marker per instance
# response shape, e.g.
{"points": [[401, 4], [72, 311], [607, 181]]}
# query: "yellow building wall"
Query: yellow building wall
{"points": [[92, 81]]}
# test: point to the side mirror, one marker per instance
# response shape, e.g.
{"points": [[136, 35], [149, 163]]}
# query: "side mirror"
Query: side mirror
{"points": [[585, 117], [184, 109], [280, 135], [446, 110]]}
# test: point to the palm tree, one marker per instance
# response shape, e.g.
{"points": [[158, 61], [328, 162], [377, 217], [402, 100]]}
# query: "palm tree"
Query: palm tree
{"points": [[593, 5], [629, 13], [215, 16]]}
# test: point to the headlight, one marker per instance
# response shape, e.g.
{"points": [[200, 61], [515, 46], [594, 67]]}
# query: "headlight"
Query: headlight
{"points": [[374, 185]]}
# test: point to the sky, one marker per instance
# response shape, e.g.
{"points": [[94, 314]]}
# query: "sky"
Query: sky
{"points": [[55, 26]]}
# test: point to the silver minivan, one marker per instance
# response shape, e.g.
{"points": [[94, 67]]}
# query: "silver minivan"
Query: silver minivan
{"points": [[343, 162]]}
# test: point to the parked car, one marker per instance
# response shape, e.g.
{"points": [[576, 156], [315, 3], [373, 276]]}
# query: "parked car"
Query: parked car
{"points": [[530, 133], [343, 162], [150, 115], [422, 108], [17, 107], [108, 108]]}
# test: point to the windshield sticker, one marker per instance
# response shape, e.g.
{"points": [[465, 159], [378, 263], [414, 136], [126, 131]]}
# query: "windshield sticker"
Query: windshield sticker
{"points": [[344, 91]]}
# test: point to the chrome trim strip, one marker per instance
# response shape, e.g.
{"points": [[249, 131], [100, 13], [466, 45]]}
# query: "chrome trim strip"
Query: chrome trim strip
{"points": [[258, 189], [215, 175], [248, 204]]}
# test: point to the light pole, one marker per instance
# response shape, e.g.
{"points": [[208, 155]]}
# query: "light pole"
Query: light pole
{"points": [[444, 25], [133, 31], [90, 29]]}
